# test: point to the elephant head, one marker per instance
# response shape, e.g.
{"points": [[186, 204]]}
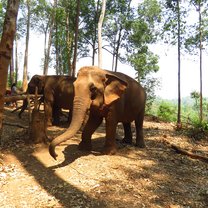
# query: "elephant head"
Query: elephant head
{"points": [[94, 90], [36, 81]]}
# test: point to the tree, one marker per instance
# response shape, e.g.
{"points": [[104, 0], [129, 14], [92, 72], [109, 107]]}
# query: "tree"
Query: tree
{"points": [[100, 22], [76, 39], [176, 16], [144, 31], [6, 47], [119, 16], [198, 39], [88, 34], [25, 67]]}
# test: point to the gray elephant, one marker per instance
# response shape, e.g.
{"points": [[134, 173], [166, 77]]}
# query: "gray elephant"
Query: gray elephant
{"points": [[58, 93], [104, 94]]}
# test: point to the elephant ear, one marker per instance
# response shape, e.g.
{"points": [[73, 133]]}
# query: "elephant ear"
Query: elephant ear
{"points": [[115, 87]]}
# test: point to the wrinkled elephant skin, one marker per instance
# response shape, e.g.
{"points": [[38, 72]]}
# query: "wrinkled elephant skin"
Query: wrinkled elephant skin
{"points": [[105, 94], [58, 93]]}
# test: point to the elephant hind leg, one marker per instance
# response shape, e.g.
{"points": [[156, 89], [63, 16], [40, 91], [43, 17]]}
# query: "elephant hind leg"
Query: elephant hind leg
{"points": [[127, 133], [139, 130]]}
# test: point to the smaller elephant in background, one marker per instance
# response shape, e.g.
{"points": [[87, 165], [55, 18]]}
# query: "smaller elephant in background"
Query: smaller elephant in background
{"points": [[58, 94]]}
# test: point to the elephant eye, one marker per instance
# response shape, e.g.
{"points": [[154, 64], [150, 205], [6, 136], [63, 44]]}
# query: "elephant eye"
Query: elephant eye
{"points": [[93, 91]]}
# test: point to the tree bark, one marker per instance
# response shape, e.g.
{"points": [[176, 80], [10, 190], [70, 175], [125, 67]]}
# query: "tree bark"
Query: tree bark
{"points": [[6, 46], [200, 62], [100, 22], [11, 73], [16, 60], [47, 50], [76, 39], [24, 82], [179, 125]]}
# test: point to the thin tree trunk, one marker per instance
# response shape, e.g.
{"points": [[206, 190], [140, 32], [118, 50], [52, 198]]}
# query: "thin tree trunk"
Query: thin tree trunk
{"points": [[200, 57], [11, 69], [56, 39], [100, 22], [16, 60], [76, 39], [117, 49], [47, 51], [45, 48], [69, 46], [6, 46], [24, 82], [179, 69], [95, 34]]}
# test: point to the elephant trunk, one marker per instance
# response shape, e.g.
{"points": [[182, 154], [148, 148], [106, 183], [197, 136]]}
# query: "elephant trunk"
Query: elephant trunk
{"points": [[80, 107]]}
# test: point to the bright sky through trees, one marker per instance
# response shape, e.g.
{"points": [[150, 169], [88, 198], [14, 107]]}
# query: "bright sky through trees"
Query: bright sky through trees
{"points": [[167, 63]]}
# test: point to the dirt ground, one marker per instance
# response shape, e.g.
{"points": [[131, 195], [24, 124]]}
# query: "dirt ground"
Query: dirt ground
{"points": [[152, 177]]}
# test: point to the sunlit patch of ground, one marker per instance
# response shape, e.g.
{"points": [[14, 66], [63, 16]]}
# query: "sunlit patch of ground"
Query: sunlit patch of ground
{"points": [[152, 177]]}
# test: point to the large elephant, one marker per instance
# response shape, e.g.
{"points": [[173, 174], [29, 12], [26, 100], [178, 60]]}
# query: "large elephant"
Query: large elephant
{"points": [[104, 94], [57, 93]]}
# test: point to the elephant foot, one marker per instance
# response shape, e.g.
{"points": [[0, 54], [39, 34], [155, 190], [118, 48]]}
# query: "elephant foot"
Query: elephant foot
{"points": [[109, 150], [127, 141], [140, 144], [85, 146]]}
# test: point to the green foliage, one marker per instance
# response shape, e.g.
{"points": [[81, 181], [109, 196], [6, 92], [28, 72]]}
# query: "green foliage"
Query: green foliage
{"points": [[198, 31], [167, 111]]}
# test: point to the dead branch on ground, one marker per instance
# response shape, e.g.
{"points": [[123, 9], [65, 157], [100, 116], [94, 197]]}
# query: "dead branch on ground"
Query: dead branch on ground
{"points": [[179, 150]]}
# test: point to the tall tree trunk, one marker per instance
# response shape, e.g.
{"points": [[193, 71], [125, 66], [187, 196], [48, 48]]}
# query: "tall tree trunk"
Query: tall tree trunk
{"points": [[117, 48], [100, 22], [69, 46], [76, 39], [56, 39], [47, 50], [200, 57], [6, 46], [179, 68], [11, 73], [25, 70], [16, 60], [95, 33]]}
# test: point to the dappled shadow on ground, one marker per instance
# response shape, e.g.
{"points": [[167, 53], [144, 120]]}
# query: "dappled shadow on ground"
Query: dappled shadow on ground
{"points": [[67, 194], [152, 177]]}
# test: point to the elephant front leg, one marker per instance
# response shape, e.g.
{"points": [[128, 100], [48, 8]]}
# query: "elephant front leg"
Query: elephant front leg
{"points": [[48, 113], [110, 142], [91, 125]]}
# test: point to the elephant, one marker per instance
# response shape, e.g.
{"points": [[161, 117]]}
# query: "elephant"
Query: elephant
{"points": [[104, 94], [57, 93]]}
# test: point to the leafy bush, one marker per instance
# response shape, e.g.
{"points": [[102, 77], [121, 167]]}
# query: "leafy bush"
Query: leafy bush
{"points": [[167, 111]]}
